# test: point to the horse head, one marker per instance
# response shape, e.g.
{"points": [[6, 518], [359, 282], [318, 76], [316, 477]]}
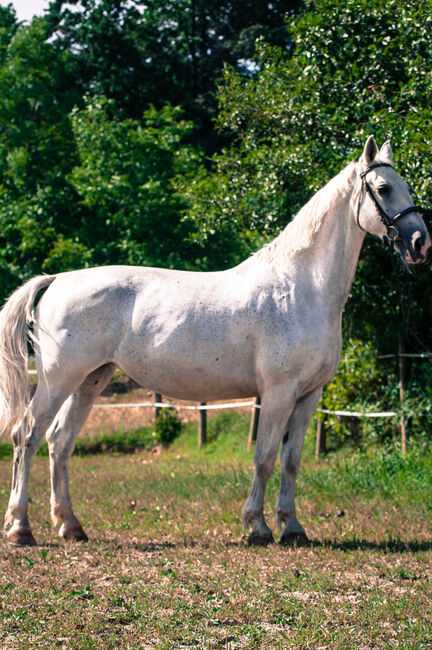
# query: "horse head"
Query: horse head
{"points": [[385, 207]]}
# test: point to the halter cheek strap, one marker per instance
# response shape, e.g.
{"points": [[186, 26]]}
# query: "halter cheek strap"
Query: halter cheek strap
{"points": [[389, 221]]}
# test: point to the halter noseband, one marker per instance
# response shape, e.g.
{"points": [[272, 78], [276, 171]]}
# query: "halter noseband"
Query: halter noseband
{"points": [[393, 233]]}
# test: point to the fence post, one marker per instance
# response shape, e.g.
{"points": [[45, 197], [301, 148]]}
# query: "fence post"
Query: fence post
{"points": [[253, 429], [157, 398], [320, 446], [202, 426], [403, 368]]}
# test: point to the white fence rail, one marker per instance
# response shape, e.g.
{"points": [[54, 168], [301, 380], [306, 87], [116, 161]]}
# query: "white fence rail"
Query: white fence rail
{"points": [[202, 408]]}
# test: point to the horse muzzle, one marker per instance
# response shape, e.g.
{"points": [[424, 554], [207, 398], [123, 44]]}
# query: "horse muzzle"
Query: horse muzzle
{"points": [[413, 247]]}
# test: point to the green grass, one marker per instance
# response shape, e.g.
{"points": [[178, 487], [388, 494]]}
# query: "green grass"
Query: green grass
{"points": [[124, 442], [167, 565]]}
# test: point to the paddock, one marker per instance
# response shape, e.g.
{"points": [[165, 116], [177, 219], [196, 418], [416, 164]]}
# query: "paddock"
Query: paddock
{"points": [[156, 575]]}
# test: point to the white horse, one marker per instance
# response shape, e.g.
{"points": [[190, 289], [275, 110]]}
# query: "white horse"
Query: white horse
{"points": [[269, 327]]}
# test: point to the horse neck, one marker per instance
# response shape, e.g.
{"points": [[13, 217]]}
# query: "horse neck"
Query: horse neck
{"points": [[327, 255]]}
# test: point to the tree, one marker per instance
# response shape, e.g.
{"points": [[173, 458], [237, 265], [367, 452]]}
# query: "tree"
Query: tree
{"points": [[36, 152], [131, 210], [172, 51]]}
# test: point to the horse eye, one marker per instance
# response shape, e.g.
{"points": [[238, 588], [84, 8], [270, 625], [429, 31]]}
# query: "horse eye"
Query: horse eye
{"points": [[383, 190]]}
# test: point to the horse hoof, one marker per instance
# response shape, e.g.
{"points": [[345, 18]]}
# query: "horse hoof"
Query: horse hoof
{"points": [[257, 539], [74, 534], [294, 539], [21, 538]]}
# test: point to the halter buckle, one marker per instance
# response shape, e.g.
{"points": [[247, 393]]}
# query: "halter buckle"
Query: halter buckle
{"points": [[393, 233]]}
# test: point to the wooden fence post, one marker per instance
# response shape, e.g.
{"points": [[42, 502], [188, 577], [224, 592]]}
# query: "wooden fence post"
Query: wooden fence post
{"points": [[403, 368], [202, 426], [253, 429], [157, 398], [320, 446]]}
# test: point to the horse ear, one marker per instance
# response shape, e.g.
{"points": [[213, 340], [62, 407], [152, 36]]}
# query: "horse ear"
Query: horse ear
{"points": [[386, 152], [370, 150]]}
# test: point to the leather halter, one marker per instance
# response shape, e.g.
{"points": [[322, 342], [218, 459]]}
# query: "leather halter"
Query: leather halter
{"points": [[393, 233]]}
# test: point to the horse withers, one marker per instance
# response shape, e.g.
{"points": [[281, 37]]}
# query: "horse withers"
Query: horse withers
{"points": [[269, 327]]}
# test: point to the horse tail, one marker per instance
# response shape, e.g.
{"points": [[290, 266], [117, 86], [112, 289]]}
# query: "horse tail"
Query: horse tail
{"points": [[15, 318]]}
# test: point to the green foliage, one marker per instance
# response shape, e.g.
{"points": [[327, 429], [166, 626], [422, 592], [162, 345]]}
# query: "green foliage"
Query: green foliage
{"points": [[124, 442], [355, 70], [417, 406], [368, 383], [86, 180], [168, 426], [36, 151], [364, 383], [125, 183], [166, 51]]}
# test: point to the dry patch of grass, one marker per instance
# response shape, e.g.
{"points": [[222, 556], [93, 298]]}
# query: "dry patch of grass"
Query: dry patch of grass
{"points": [[168, 567]]}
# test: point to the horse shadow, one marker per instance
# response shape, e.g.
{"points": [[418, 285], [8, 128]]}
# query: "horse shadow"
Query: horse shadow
{"points": [[390, 545]]}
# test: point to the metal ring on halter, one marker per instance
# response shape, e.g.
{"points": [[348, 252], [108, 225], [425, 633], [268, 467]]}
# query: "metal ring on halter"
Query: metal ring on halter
{"points": [[393, 233]]}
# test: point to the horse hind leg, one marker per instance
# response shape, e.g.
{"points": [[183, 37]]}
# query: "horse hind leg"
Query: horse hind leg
{"points": [[27, 437], [293, 533], [61, 439]]}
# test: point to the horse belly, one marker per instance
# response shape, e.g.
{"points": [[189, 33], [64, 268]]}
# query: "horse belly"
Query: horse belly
{"points": [[187, 366]]}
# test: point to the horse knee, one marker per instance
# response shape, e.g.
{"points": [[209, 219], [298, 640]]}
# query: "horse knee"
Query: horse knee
{"points": [[264, 464], [291, 459]]}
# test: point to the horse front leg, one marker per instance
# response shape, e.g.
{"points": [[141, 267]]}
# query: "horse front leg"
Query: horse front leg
{"points": [[292, 448], [272, 424], [61, 439]]}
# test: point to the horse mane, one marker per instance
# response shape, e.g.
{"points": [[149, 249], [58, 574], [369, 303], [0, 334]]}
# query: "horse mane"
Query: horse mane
{"points": [[299, 233]]}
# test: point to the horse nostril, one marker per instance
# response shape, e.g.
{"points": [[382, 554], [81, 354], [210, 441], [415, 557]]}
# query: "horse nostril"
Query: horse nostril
{"points": [[417, 244]]}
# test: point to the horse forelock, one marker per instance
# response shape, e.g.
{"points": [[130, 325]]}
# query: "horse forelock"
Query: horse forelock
{"points": [[299, 233]]}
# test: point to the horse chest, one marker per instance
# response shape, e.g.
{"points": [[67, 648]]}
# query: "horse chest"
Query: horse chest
{"points": [[300, 350]]}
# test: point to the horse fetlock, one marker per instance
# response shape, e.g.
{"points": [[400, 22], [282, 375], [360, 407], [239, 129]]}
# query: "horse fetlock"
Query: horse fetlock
{"points": [[250, 517], [16, 516], [60, 514], [286, 517], [261, 534], [63, 514]]}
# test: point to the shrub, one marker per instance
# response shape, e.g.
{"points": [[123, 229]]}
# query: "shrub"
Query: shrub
{"points": [[168, 426]]}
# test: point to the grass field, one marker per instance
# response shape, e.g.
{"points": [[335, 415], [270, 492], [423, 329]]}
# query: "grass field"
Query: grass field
{"points": [[167, 565]]}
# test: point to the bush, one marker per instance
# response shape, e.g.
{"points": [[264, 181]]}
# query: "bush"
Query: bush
{"points": [[168, 426]]}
